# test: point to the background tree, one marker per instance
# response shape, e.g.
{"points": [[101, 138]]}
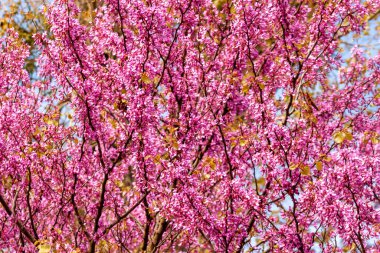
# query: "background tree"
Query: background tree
{"points": [[191, 126]]}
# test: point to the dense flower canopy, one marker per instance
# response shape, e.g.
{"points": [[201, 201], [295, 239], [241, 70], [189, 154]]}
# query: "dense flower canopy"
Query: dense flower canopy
{"points": [[191, 126]]}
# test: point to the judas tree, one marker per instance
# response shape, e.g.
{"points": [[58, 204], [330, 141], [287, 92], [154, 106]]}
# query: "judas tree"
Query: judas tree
{"points": [[191, 126]]}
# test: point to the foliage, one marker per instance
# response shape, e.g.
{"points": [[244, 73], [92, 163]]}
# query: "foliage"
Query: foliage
{"points": [[190, 126], [24, 17]]}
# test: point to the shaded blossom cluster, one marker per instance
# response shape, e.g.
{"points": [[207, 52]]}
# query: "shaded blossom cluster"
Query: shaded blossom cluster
{"points": [[191, 126]]}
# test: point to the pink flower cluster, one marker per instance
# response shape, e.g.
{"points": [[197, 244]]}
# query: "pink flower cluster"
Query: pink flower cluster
{"points": [[191, 126]]}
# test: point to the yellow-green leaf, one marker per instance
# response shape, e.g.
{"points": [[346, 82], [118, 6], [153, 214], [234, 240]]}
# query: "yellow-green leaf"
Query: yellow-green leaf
{"points": [[375, 140], [145, 78], [206, 176], [219, 3], [211, 163], [243, 142], [297, 114], [245, 88], [298, 45], [44, 248], [156, 79], [327, 158], [319, 165], [348, 136], [293, 166], [175, 144], [339, 137], [261, 181], [305, 170]]}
